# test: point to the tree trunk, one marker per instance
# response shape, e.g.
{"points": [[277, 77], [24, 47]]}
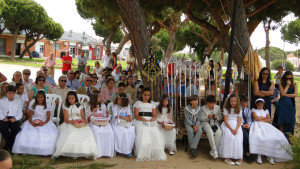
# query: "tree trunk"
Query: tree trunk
{"points": [[134, 19], [267, 47], [242, 43], [169, 50], [13, 45], [125, 39], [109, 39]]}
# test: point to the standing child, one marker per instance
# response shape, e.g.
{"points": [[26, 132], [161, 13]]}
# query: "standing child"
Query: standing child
{"points": [[246, 124], [165, 115], [74, 141], [122, 125], [38, 134], [211, 115], [104, 135], [23, 96], [10, 116], [265, 139], [192, 114], [231, 144]]}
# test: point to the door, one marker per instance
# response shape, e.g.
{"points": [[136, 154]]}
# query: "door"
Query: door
{"points": [[2, 46], [39, 47]]}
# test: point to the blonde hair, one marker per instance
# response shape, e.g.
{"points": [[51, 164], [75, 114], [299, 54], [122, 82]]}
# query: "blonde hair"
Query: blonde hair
{"points": [[26, 71], [227, 104], [3, 88]]}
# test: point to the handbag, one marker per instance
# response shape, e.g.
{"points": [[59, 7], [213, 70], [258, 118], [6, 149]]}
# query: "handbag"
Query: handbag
{"points": [[79, 123], [99, 120]]}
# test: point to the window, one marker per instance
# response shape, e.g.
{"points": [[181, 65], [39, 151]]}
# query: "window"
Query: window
{"points": [[56, 46]]}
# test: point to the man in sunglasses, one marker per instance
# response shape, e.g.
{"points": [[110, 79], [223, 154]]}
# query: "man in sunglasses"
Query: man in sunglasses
{"points": [[48, 78], [62, 88], [72, 83], [87, 88]]}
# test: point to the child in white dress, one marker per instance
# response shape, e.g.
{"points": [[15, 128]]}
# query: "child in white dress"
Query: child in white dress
{"points": [[231, 144], [122, 125], [74, 141], [265, 139], [39, 133], [23, 96], [211, 115], [149, 142], [165, 115], [104, 135]]}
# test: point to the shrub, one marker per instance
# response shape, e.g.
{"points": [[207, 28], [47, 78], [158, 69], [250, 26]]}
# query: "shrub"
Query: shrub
{"points": [[288, 65]]}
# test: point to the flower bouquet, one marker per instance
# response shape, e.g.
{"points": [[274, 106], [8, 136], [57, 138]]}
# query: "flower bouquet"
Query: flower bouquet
{"points": [[37, 121], [79, 123]]}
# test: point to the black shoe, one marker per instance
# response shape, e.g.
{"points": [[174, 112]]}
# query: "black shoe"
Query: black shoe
{"points": [[249, 159], [194, 152]]}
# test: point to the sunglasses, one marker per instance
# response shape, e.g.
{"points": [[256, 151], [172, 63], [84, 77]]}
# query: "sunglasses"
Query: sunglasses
{"points": [[72, 73], [88, 80], [63, 80], [27, 74], [289, 78], [265, 73], [95, 77], [45, 70], [41, 80]]}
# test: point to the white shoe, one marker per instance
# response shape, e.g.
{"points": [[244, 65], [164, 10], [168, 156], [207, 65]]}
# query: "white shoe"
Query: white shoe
{"points": [[215, 154], [271, 160], [171, 152], [259, 161], [238, 163], [229, 162], [211, 153]]}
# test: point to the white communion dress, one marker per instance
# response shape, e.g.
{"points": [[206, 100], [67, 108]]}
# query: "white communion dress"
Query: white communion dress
{"points": [[75, 142], [104, 135], [266, 140], [149, 142], [168, 135], [231, 146], [124, 136], [38, 140]]}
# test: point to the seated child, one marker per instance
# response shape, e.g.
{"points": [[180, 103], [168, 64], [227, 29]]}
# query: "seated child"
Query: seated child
{"points": [[192, 121], [246, 124], [122, 125], [39, 133], [10, 116], [104, 135], [164, 115], [23, 96], [265, 139], [211, 115]]}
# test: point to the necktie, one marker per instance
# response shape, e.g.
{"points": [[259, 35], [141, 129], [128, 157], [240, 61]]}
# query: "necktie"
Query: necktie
{"points": [[88, 91], [244, 117]]}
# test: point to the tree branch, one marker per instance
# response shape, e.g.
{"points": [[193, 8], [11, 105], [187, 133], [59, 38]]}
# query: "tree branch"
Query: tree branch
{"points": [[201, 22], [163, 25], [249, 3], [260, 9]]}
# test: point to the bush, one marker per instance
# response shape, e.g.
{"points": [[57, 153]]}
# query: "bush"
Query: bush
{"points": [[288, 65]]}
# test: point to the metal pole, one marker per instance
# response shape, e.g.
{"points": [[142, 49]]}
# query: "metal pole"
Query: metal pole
{"points": [[190, 72], [171, 83], [179, 64], [167, 61], [249, 76], [184, 82], [227, 83], [199, 85]]}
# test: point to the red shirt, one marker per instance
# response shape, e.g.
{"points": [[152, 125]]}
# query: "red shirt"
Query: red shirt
{"points": [[65, 66]]}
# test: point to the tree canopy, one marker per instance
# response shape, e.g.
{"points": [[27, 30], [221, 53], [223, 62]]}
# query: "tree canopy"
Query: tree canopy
{"points": [[291, 32], [275, 53]]}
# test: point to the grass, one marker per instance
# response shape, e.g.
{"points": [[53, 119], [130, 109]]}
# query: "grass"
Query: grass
{"points": [[38, 62], [35, 162]]}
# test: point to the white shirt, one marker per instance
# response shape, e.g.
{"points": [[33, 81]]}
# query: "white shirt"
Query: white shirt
{"points": [[11, 108], [106, 61], [117, 76], [23, 97]]}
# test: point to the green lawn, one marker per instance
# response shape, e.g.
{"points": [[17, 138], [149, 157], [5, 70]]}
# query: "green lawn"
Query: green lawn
{"points": [[38, 62]]}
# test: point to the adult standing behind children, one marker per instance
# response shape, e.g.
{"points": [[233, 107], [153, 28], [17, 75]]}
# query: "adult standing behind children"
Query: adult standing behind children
{"points": [[130, 61], [50, 63], [278, 76], [82, 61], [264, 88], [106, 59], [286, 109], [67, 63]]}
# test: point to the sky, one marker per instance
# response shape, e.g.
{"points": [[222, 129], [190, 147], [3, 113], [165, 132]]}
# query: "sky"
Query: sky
{"points": [[65, 13]]}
